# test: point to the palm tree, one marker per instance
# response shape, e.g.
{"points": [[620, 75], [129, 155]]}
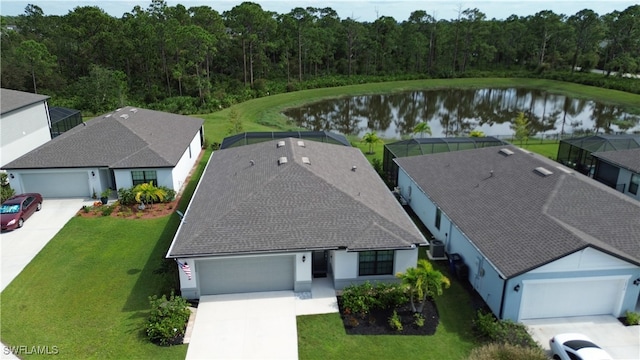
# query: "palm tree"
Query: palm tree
{"points": [[423, 281], [147, 193], [371, 138], [421, 128]]}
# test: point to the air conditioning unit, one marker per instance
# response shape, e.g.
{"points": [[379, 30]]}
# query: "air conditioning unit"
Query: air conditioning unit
{"points": [[436, 249]]}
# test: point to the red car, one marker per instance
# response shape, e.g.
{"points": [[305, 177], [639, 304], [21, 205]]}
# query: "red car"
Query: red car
{"points": [[19, 208]]}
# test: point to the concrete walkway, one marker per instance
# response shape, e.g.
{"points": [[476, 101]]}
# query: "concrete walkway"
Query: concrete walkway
{"points": [[256, 325], [621, 342]]}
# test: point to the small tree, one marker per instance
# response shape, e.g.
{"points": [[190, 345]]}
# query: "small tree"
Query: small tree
{"points": [[146, 193], [235, 123], [476, 133], [371, 138], [421, 128], [423, 281], [521, 127]]}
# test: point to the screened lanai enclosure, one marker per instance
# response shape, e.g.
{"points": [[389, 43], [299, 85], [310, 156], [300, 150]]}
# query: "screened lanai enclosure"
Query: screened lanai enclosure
{"points": [[576, 152], [423, 146], [63, 119], [257, 137]]}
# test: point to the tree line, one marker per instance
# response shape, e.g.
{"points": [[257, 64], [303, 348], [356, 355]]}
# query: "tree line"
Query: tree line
{"points": [[199, 59]]}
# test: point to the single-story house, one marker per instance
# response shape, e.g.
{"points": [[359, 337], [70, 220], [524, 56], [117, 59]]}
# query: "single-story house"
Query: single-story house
{"points": [[539, 240], [273, 215], [25, 123], [620, 170], [121, 149]]}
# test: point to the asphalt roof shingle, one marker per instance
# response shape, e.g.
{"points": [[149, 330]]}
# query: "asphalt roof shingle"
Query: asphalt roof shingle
{"points": [[520, 219], [127, 138], [247, 203], [11, 100]]}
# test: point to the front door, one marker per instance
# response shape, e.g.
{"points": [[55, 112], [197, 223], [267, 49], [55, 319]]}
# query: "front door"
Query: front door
{"points": [[320, 261]]}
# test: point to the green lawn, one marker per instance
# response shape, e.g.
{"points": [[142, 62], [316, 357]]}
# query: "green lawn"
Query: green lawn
{"points": [[324, 337]]}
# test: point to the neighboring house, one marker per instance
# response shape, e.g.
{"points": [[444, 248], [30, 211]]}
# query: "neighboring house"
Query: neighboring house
{"points": [[540, 240], [576, 153], [620, 170], [272, 215], [24, 123], [118, 150]]}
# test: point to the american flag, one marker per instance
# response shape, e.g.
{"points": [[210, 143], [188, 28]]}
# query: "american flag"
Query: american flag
{"points": [[186, 268]]}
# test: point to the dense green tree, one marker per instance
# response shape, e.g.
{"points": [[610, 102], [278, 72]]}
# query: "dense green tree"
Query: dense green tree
{"points": [[36, 59]]}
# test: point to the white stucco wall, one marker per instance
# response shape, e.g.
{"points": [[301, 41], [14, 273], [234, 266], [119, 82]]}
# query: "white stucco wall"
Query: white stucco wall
{"points": [[22, 131], [186, 163], [345, 267], [124, 179]]}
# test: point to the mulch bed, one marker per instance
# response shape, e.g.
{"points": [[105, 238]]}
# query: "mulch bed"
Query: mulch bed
{"points": [[377, 321]]}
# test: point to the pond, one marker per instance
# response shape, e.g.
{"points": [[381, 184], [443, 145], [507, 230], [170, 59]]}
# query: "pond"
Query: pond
{"points": [[457, 112]]}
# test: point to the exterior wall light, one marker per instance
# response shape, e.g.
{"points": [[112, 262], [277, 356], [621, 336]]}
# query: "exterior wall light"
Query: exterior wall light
{"points": [[11, 176], [304, 258], [636, 282], [516, 288], [93, 173]]}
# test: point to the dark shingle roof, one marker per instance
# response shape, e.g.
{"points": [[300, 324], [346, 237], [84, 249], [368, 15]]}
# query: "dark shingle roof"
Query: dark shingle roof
{"points": [[243, 208], [628, 159], [127, 138], [519, 219], [11, 100]]}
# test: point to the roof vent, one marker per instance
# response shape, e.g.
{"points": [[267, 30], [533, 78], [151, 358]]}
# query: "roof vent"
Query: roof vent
{"points": [[134, 110], [543, 171], [564, 170], [282, 160], [280, 143], [506, 152], [354, 168], [305, 160], [300, 143], [252, 162], [124, 116], [107, 116]]}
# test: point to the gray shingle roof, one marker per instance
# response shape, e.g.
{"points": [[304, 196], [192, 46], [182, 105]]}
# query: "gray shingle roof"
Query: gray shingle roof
{"points": [[244, 208], [11, 100], [128, 138], [519, 219], [628, 159]]}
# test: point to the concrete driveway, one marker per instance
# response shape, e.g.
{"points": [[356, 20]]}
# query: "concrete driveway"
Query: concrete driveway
{"points": [[621, 342], [245, 326], [20, 246]]}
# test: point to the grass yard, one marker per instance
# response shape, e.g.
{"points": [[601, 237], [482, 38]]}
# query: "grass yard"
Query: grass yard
{"points": [[87, 291], [324, 337]]}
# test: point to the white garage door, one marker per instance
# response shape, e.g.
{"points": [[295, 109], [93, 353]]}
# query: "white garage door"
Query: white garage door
{"points": [[227, 276], [571, 297], [64, 184]]}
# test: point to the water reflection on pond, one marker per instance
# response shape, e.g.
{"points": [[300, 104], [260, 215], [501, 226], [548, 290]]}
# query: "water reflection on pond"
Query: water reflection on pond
{"points": [[455, 112]]}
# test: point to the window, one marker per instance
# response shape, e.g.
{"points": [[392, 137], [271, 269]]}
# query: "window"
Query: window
{"points": [[635, 182], [438, 218], [141, 177], [376, 262]]}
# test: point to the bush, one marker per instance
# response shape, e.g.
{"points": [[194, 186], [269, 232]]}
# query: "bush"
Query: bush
{"points": [[502, 331], [395, 321], [167, 319], [126, 196], [418, 320], [632, 318], [361, 299], [107, 210], [506, 351]]}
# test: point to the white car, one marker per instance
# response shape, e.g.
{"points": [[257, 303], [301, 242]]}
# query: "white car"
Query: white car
{"points": [[573, 346]]}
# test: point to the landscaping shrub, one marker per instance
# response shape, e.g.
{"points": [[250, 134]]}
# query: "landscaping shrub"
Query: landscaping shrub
{"points": [[126, 196], [361, 299], [395, 322], [495, 351], [107, 210], [502, 331], [632, 318], [167, 319]]}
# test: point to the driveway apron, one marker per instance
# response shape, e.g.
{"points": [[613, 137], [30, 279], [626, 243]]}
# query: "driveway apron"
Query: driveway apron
{"points": [[20, 246], [621, 342], [245, 326]]}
